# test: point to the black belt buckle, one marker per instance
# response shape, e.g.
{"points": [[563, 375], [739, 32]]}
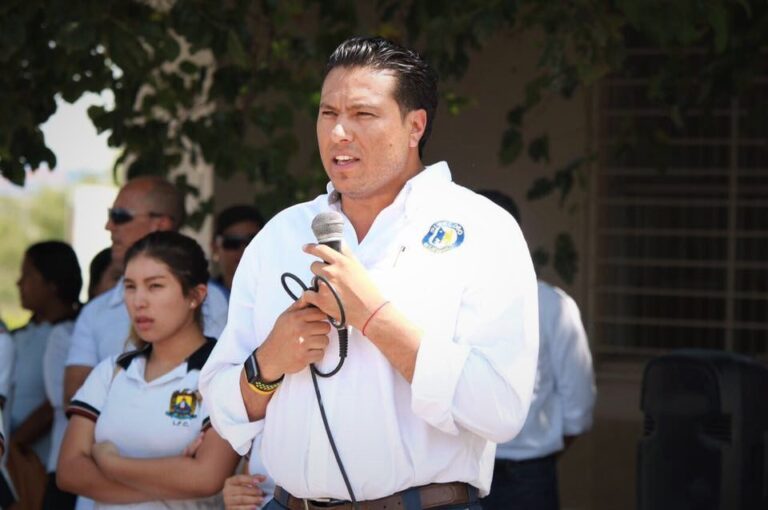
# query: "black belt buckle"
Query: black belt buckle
{"points": [[324, 503]]}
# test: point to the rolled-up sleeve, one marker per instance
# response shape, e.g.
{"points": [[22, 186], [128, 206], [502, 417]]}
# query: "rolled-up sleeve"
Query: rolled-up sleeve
{"points": [[7, 357], [220, 377], [572, 361], [481, 378], [83, 349]]}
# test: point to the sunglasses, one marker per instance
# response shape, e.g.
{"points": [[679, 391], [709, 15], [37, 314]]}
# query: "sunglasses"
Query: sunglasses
{"points": [[121, 216], [234, 242]]}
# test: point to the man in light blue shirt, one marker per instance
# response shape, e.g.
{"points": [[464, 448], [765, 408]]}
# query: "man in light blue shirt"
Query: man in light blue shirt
{"points": [[525, 472], [145, 204]]}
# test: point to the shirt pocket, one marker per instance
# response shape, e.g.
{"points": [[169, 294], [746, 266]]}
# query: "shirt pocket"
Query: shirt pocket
{"points": [[426, 287]]}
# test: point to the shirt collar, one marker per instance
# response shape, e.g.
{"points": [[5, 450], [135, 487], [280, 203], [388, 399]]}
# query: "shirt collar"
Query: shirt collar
{"points": [[195, 361], [438, 172], [116, 295]]}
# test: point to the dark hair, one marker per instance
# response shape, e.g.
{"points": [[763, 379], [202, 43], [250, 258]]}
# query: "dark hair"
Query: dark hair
{"points": [[502, 200], [236, 214], [57, 263], [99, 264], [416, 81], [183, 256]]}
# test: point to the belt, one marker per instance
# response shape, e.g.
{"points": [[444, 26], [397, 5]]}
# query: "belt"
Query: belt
{"points": [[503, 463], [434, 495]]}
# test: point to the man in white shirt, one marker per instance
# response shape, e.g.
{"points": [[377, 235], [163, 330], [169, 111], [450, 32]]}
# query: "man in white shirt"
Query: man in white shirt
{"points": [[439, 293], [143, 205], [525, 475], [7, 356]]}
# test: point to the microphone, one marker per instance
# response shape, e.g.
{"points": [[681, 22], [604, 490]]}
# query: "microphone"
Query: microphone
{"points": [[328, 228]]}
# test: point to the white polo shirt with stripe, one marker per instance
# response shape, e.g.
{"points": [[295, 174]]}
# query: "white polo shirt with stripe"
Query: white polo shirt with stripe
{"points": [[146, 419], [29, 342], [7, 356]]}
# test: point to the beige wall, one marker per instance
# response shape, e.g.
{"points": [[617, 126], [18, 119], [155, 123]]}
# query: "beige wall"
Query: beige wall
{"points": [[470, 143]]}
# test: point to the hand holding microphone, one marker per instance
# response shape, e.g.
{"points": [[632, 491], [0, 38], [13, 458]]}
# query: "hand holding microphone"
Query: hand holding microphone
{"points": [[342, 292], [343, 271]]}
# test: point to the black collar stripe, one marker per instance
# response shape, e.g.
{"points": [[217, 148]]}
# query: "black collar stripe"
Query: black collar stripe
{"points": [[195, 361]]}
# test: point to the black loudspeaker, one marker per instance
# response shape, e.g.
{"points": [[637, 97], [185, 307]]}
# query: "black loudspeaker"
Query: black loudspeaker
{"points": [[705, 440]]}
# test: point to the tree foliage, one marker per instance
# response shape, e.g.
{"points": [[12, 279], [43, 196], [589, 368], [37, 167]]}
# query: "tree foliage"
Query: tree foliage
{"points": [[23, 221], [268, 57]]}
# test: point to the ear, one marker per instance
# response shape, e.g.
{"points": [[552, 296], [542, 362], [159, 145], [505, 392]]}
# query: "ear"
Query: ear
{"points": [[417, 122], [197, 295], [162, 224], [53, 288]]}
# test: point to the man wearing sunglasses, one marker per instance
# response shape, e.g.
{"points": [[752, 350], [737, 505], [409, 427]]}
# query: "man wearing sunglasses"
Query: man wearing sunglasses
{"points": [[234, 228], [144, 205]]}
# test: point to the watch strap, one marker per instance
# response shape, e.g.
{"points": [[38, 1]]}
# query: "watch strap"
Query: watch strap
{"points": [[253, 374]]}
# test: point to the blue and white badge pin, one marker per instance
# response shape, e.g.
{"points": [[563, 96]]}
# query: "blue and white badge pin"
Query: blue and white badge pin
{"points": [[443, 236]]}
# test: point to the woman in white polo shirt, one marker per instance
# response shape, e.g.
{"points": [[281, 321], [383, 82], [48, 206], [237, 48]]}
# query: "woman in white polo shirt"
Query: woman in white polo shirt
{"points": [[7, 498], [136, 413]]}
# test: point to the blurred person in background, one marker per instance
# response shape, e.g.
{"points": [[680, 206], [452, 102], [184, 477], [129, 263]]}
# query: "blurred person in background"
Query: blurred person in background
{"points": [[49, 287], [6, 364], [233, 230], [525, 471], [103, 274], [143, 205], [137, 413], [7, 496], [102, 277]]}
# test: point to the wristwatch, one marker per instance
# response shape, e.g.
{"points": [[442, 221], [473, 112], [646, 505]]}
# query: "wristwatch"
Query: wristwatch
{"points": [[253, 375]]}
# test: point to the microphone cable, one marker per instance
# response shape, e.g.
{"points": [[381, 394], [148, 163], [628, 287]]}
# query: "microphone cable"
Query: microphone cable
{"points": [[341, 328]]}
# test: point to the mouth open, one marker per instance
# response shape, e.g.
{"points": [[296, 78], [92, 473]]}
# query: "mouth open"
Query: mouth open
{"points": [[143, 323], [344, 160]]}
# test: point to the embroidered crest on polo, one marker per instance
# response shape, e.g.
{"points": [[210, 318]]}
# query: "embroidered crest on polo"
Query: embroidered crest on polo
{"points": [[443, 236], [183, 404]]}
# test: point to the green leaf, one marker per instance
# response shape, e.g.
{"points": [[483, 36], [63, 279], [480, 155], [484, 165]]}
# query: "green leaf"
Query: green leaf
{"points": [[540, 188], [457, 103], [745, 5], [235, 51], [566, 258], [515, 117], [188, 67], [718, 18], [538, 149], [511, 146], [540, 258]]}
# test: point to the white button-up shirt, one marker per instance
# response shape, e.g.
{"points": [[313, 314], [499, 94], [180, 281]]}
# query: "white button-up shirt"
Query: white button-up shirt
{"points": [[28, 387], [103, 326], [53, 377], [7, 358], [458, 267], [564, 394]]}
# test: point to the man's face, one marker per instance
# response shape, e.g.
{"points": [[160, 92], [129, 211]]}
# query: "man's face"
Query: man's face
{"points": [[125, 232], [228, 247], [368, 148]]}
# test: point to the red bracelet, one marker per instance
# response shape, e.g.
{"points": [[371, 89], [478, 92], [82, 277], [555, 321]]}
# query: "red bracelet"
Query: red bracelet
{"points": [[371, 317]]}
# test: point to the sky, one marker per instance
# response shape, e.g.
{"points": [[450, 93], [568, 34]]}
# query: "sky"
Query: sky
{"points": [[79, 150]]}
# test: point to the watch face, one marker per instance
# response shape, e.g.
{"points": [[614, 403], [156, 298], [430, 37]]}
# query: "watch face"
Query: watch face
{"points": [[251, 372]]}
